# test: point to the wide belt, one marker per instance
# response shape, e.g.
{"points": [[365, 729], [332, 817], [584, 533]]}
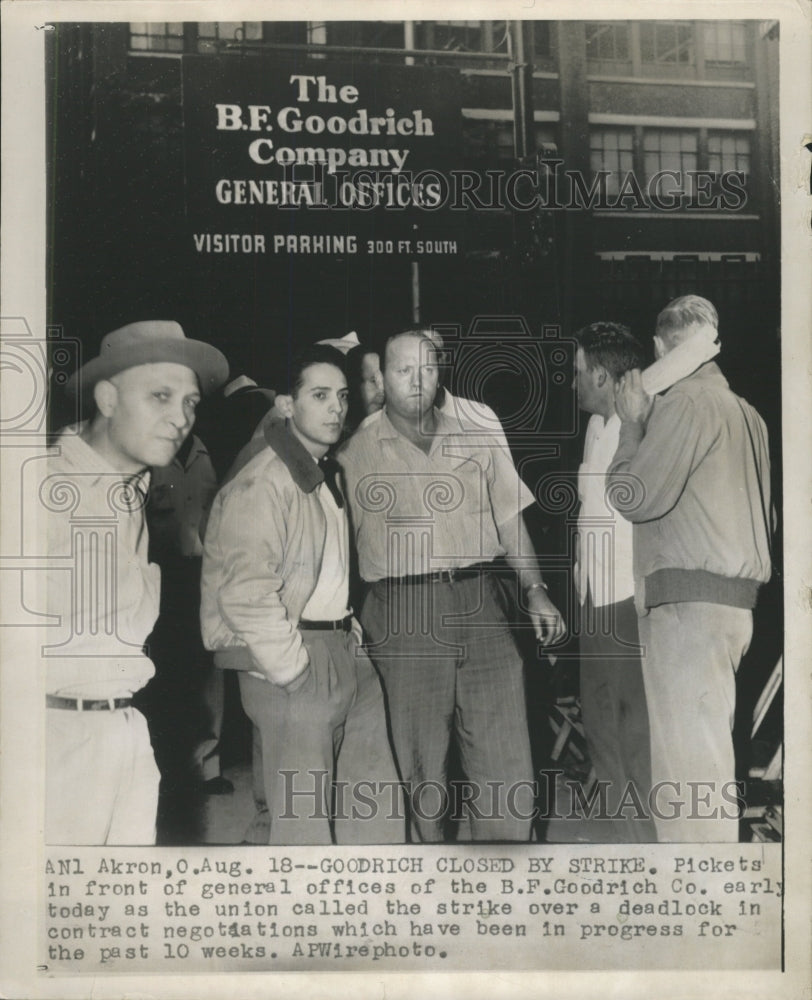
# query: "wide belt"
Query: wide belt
{"points": [[338, 625], [87, 704], [444, 575]]}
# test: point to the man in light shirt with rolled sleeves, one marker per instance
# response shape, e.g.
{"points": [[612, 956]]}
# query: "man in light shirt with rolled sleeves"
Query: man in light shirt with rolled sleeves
{"points": [[436, 509]]}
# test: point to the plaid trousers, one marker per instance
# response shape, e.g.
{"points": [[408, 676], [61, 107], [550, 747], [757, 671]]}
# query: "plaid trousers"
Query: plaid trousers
{"points": [[453, 676]]}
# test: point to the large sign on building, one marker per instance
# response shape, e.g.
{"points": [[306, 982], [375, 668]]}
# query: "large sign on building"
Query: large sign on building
{"points": [[300, 156]]}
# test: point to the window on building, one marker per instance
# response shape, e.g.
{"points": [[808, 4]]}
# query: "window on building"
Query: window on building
{"points": [[366, 34], [667, 42], [546, 140], [669, 149], [489, 143], [724, 41], [728, 152], [156, 36], [542, 42], [611, 149], [285, 32], [211, 34], [607, 41]]}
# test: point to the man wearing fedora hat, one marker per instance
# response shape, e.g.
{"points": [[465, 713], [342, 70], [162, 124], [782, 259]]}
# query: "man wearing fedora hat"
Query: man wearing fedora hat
{"points": [[101, 777]]}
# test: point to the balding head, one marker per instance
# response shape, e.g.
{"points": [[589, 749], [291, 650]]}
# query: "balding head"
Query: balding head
{"points": [[417, 333], [410, 374], [683, 318]]}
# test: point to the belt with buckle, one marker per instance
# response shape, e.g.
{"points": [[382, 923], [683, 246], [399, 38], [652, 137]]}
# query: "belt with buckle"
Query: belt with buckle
{"points": [[339, 625], [87, 704], [445, 575]]}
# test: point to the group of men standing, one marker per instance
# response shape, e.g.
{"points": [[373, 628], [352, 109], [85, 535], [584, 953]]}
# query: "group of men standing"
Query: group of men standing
{"points": [[363, 721], [681, 482], [435, 510]]}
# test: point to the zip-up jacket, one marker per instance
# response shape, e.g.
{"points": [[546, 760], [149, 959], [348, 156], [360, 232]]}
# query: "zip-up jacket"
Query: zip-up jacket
{"points": [[262, 557], [695, 482]]}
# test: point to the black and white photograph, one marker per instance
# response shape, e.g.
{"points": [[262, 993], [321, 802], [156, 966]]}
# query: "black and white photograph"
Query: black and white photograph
{"points": [[405, 498]]}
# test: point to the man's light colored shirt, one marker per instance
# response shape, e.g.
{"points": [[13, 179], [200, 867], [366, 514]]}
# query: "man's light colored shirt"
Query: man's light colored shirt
{"points": [[106, 598], [415, 513], [474, 416], [604, 560]]}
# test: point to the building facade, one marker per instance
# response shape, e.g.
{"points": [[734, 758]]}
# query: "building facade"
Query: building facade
{"points": [[654, 145]]}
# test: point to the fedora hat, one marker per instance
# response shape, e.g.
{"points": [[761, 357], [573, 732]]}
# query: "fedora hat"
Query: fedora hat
{"points": [[147, 343], [242, 386]]}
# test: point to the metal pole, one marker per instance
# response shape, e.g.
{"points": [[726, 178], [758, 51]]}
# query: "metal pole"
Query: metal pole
{"points": [[520, 48], [522, 88], [371, 50], [415, 292]]}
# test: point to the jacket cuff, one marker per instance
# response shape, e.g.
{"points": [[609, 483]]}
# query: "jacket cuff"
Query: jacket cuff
{"points": [[234, 658]]}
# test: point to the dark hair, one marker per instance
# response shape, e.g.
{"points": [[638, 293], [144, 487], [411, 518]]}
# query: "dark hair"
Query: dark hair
{"points": [[421, 333], [612, 346], [316, 354]]}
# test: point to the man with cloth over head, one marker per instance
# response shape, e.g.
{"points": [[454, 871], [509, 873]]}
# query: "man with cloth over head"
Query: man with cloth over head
{"points": [[696, 462]]}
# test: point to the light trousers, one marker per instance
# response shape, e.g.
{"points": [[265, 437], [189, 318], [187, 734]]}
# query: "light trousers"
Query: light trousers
{"points": [[691, 654], [101, 778]]}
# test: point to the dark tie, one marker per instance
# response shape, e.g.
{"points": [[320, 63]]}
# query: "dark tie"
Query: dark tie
{"points": [[331, 470], [136, 495]]}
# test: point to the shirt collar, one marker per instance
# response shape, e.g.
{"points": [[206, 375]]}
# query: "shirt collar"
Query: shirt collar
{"points": [[710, 370], [445, 424], [191, 449], [85, 459]]}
